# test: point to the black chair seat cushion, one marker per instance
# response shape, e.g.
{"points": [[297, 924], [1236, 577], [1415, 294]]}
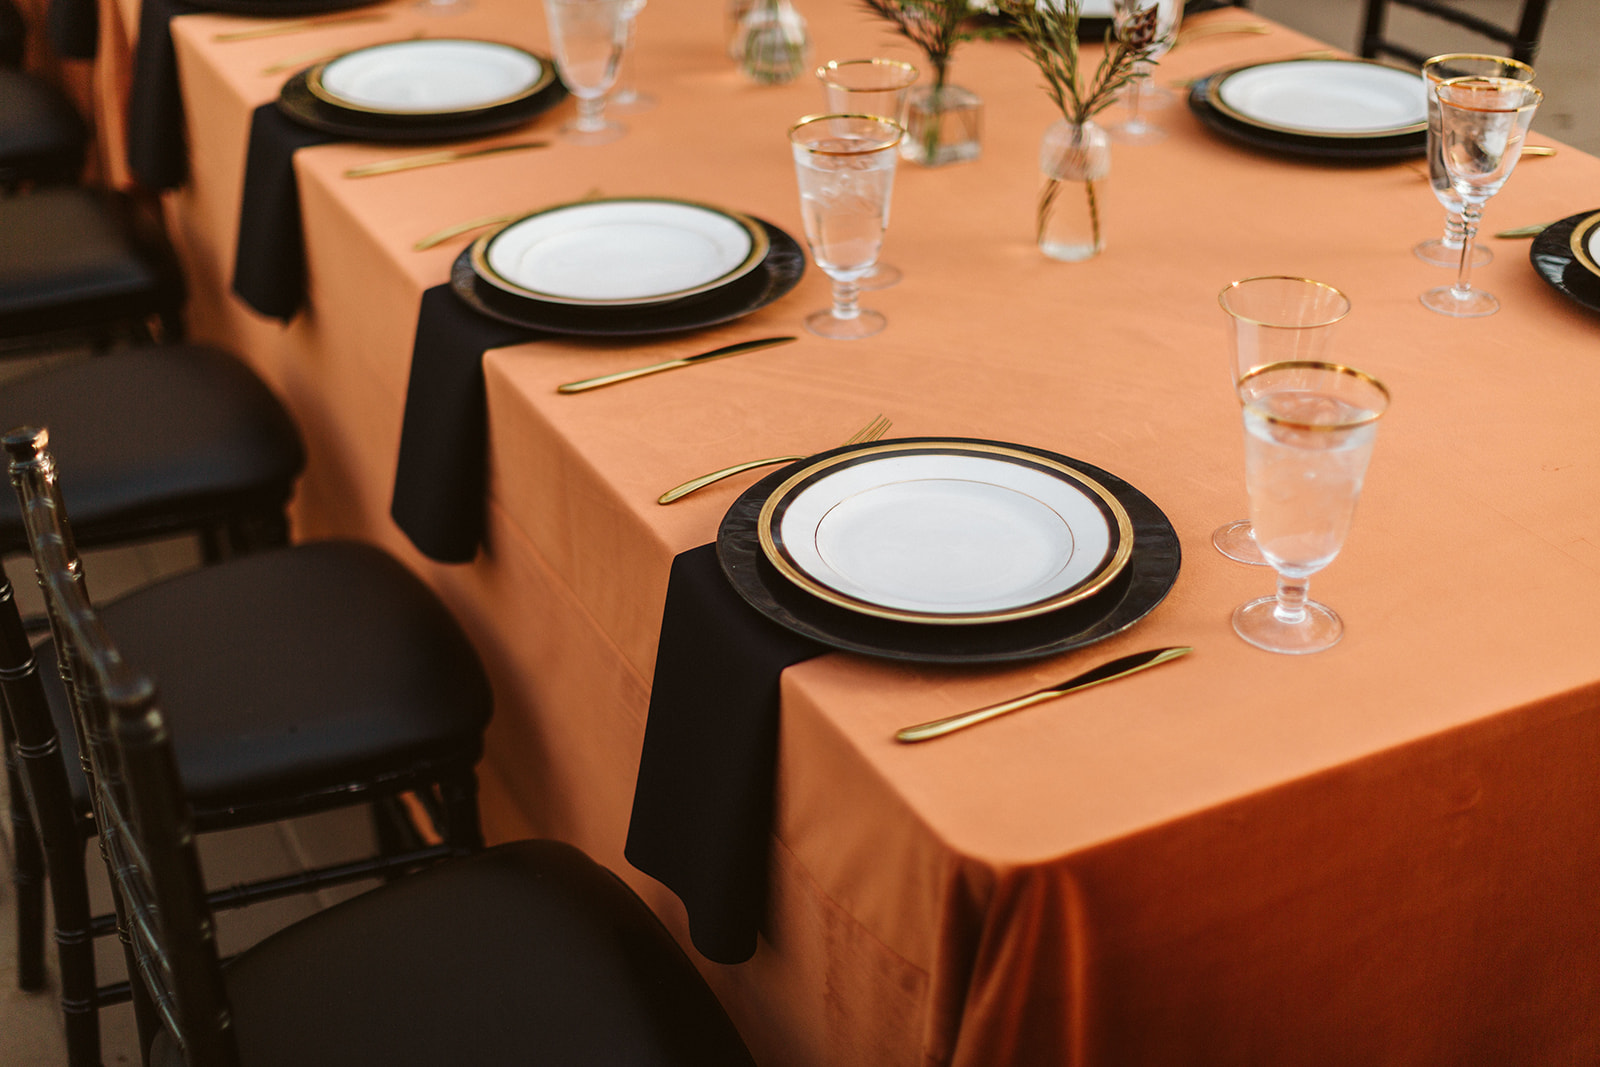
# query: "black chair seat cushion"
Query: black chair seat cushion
{"points": [[294, 672], [67, 261], [528, 953], [155, 439], [42, 136]]}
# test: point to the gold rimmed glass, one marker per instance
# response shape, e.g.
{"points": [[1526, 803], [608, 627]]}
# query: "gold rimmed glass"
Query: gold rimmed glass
{"points": [[1309, 430], [587, 37], [869, 87], [626, 98], [1274, 319], [1483, 123], [845, 165], [1445, 251]]}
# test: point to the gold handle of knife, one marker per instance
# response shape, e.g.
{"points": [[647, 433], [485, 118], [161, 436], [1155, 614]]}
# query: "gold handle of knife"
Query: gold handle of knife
{"points": [[433, 159], [672, 364], [280, 28]]}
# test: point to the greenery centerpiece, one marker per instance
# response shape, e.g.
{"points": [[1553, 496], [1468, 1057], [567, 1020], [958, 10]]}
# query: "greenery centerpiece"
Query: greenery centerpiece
{"points": [[942, 120], [1076, 151]]}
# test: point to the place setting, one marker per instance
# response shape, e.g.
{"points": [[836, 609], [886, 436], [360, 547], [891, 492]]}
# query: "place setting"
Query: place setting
{"points": [[597, 268], [1324, 109], [935, 550]]}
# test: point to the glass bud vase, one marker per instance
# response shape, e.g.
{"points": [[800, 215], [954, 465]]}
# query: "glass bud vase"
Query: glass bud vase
{"points": [[944, 124], [773, 46], [1075, 159]]}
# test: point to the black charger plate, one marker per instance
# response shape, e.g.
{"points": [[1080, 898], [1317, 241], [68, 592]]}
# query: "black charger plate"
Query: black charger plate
{"points": [[278, 8], [1142, 584], [297, 101], [1304, 146], [1553, 258], [777, 274]]}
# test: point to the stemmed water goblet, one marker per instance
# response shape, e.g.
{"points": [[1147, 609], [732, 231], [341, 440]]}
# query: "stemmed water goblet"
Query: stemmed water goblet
{"points": [[1445, 251], [1482, 125], [869, 87], [844, 165], [1273, 319], [1132, 19], [587, 38], [625, 97], [1309, 429]]}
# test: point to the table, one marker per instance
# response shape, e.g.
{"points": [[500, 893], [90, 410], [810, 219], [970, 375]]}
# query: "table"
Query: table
{"points": [[1381, 854]]}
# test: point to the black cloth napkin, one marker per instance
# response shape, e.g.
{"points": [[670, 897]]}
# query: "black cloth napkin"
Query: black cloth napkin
{"points": [[269, 267], [439, 481], [74, 28], [702, 806], [157, 152]]}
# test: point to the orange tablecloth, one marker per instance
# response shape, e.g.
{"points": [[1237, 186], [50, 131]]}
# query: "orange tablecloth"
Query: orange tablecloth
{"points": [[1380, 854]]}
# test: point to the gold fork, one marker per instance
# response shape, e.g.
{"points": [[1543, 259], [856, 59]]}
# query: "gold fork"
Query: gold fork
{"points": [[870, 432]]}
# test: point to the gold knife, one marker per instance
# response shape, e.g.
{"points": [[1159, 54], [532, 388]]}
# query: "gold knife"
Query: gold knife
{"points": [[1106, 672], [295, 26], [656, 368], [1524, 231], [433, 159]]}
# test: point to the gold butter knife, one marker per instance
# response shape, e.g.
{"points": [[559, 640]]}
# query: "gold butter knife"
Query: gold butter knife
{"points": [[279, 28], [656, 368], [1106, 672], [433, 159]]}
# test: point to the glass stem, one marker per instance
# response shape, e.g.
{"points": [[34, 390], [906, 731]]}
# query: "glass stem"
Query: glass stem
{"points": [[1469, 231], [589, 111], [1453, 230], [846, 300], [1292, 596], [1135, 91]]}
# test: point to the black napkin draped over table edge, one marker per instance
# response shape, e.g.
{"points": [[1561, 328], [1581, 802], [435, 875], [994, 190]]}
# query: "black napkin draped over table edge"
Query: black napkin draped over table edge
{"points": [[269, 267], [158, 155], [702, 808], [440, 475], [74, 28]]}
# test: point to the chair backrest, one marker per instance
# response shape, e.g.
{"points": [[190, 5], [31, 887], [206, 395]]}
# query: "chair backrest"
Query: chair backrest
{"points": [[1521, 40], [144, 824]]}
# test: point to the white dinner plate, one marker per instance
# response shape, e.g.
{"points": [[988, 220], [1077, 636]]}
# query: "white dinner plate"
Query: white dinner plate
{"points": [[1586, 244], [620, 252], [950, 533], [429, 77], [1324, 98]]}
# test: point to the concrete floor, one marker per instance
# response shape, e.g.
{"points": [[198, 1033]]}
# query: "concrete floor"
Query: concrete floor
{"points": [[29, 1027]]}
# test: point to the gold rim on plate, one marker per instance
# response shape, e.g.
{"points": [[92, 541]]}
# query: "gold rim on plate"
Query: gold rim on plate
{"points": [[1580, 243], [760, 243], [1216, 81], [314, 84], [1120, 551]]}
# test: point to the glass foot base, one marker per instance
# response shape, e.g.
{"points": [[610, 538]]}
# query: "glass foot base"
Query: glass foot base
{"points": [[630, 102], [1136, 133], [880, 277], [1438, 254], [605, 133], [1237, 541], [1470, 305], [1258, 623], [826, 324]]}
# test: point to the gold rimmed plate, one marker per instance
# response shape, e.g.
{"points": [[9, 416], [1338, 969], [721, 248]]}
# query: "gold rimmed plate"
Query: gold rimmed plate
{"points": [[945, 532], [430, 77], [1585, 244], [1322, 98], [1566, 254], [620, 252]]}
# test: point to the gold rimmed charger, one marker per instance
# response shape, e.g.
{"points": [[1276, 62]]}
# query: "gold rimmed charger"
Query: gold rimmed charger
{"points": [[1582, 246], [1228, 93], [620, 252], [944, 532], [382, 79]]}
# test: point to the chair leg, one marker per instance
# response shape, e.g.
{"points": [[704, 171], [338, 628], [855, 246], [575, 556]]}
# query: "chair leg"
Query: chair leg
{"points": [[80, 1000], [462, 830], [27, 875]]}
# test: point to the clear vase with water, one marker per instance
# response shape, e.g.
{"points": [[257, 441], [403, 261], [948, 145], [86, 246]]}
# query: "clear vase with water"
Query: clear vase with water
{"points": [[1075, 159], [944, 124]]}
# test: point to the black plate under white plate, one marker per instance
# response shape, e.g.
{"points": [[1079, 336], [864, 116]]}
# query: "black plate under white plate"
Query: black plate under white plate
{"points": [[778, 273], [1559, 264], [297, 101], [1134, 592], [1386, 149]]}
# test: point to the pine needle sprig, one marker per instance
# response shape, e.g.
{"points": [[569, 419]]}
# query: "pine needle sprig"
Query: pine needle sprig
{"points": [[1050, 34]]}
